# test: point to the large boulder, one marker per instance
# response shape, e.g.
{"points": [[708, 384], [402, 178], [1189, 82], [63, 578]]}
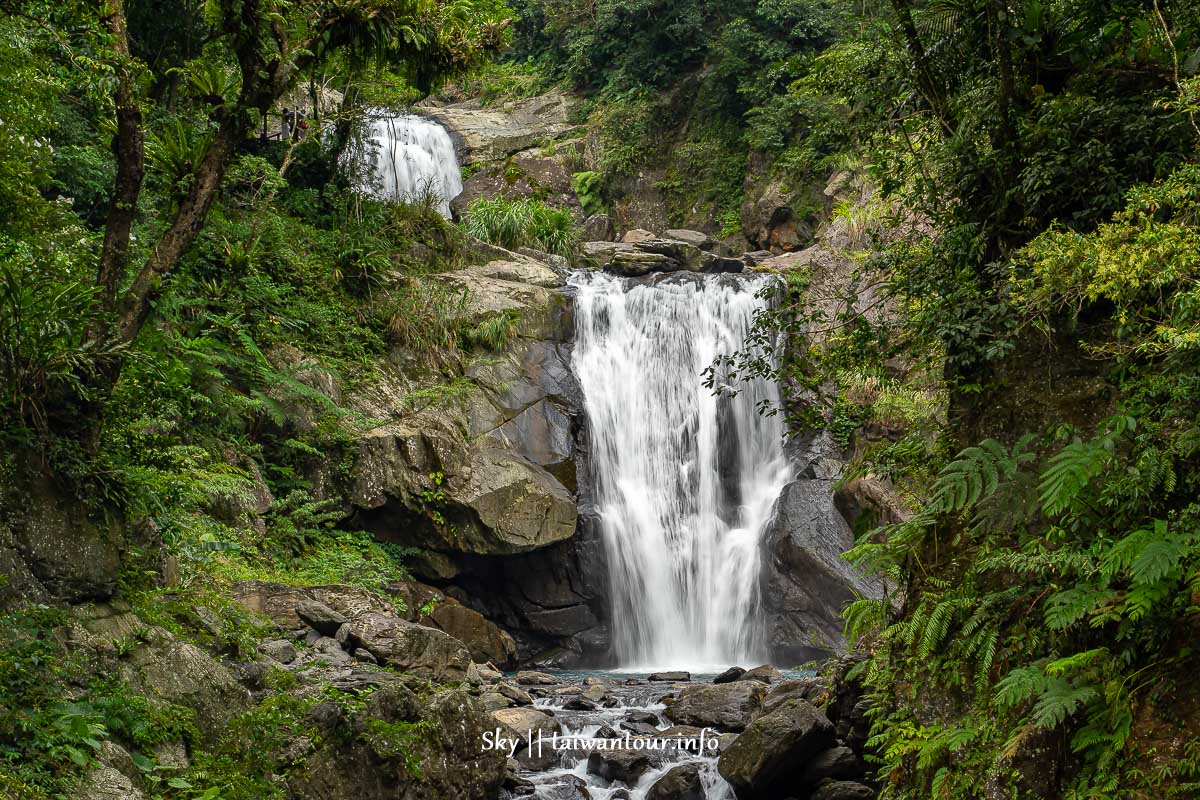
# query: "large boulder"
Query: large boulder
{"points": [[405, 746], [168, 670], [502, 482], [409, 647], [113, 777], [680, 783], [484, 640], [526, 723], [769, 757], [626, 766], [725, 706]]}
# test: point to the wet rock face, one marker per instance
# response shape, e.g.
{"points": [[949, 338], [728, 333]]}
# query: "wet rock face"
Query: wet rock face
{"points": [[51, 550], [806, 582]]}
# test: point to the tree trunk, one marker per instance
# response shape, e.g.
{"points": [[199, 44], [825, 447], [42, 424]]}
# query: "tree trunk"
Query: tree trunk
{"points": [[926, 83], [129, 149]]}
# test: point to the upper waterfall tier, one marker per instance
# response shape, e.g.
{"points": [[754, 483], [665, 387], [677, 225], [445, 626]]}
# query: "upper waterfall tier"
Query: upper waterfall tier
{"points": [[413, 156], [686, 477]]}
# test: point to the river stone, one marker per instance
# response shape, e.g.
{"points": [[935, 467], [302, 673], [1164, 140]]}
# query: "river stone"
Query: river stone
{"points": [[839, 763], [530, 678], [635, 263], [694, 238], [764, 674], [518, 696], [675, 676], [494, 701], [626, 766], [730, 675], [810, 689], [727, 707], [320, 617], [680, 783], [637, 235], [525, 722], [409, 647], [773, 751], [648, 717], [843, 790]]}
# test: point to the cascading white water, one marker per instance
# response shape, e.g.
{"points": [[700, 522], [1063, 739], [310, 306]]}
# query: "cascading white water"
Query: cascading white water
{"points": [[413, 155], [685, 478]]}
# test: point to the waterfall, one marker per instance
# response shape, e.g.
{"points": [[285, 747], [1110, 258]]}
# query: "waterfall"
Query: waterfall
{"points": [[685, 479], [413, 155]]}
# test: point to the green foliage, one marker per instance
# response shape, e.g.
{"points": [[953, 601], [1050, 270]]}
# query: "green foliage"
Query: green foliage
{"points": [[493, 333], [59, 708], [45, 355], [522, 223], [588, 188]]}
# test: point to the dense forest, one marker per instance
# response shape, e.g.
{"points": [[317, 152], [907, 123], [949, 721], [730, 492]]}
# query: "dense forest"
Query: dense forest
{"points": [[188, 301]]}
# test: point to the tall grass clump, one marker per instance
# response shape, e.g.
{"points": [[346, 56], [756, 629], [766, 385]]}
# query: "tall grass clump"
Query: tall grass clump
{"points": [[522, 223]]}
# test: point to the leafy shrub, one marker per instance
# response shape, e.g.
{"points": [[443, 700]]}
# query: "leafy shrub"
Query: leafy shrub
{"points": [[522, 223], [588, 188], [45, 357]]}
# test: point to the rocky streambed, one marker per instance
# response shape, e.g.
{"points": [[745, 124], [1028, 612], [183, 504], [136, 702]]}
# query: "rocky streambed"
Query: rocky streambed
{"points": [[757, 734]]}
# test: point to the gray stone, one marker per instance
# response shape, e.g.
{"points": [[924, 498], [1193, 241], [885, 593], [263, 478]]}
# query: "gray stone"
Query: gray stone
{"points": [[280, 650], [517, 695], [320, 617], [764, 674], [530, 678], [598, 228], [838, 763], [843, 790], [808, 582], [810, 689], [676, 675], [491, 134], [730, 675], [694, 238], [637, 235], [485, 640], [680, 783], [166, 669], [366, 765], [626, 766], [409, 647], [772, 753], [726, 707]]}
